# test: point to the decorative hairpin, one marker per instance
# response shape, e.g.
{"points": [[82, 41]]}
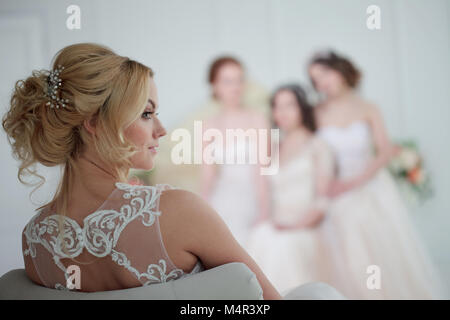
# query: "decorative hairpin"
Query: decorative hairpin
{"points": [[53, 83]]}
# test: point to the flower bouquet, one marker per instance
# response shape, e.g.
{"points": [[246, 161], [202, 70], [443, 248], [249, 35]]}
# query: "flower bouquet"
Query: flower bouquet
{"points": [[408, 170]]}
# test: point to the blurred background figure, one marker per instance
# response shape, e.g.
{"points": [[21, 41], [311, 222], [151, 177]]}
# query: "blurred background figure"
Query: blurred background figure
{"points": [[367, 227], [287, 246], [188, 175], [236, 190]]}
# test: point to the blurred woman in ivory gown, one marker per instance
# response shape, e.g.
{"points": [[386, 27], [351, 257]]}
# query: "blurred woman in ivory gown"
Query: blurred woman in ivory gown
{"points": [[236, 190], [286, 244], [373, 245]]}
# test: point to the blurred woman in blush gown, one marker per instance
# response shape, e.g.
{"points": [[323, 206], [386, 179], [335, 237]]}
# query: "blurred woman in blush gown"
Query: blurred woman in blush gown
{"points": [[286, 244], [375, 250], [236, 190]]}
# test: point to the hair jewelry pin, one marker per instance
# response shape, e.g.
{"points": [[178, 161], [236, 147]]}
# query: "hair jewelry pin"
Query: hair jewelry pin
{"points": [[53, 84]]}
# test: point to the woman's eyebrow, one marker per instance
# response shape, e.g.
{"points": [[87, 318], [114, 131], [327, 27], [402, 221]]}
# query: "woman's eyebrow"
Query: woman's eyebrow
{"points": [[152, 103]]}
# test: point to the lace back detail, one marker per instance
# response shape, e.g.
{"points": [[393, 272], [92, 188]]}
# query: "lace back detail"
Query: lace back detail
{"points": [[125, 228]]}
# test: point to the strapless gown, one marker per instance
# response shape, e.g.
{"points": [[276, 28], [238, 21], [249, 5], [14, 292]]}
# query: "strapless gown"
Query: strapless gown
{"points": [[374, 247]]}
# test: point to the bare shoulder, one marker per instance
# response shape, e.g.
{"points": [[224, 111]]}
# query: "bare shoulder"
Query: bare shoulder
{"points": [[363, 104], [371, 111], [181, 200], [186, 210], [198, 228]]}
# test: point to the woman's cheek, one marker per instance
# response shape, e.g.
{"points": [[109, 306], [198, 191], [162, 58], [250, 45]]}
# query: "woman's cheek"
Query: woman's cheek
{"points": [[141, 133]]}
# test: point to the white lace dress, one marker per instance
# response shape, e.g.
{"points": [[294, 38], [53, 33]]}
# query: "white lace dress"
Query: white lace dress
{"points": [[121, 236]]}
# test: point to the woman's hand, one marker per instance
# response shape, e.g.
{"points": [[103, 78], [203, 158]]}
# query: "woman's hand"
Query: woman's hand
{"points": [[339, 187], [313, 218], [281, 227]]}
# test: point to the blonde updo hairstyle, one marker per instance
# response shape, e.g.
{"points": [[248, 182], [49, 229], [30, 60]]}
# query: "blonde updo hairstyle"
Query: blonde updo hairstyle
{"points": [[110, 89]]}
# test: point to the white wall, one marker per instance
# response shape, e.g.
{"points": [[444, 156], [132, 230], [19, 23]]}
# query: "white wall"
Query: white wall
{"points": [[406, 70]]}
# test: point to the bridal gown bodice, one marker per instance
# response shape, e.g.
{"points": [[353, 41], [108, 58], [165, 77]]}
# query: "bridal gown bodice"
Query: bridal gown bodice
{"points": [[293, 187], [124, 229], [352, 147]]}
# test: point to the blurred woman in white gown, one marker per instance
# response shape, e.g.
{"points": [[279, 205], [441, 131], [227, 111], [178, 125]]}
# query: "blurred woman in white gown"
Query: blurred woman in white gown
{"points": [[286, 244], [236, 190], [373, 245]]}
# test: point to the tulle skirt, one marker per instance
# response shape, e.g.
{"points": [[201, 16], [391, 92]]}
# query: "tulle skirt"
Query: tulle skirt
{"points": [[374, 249], [288, 258]]}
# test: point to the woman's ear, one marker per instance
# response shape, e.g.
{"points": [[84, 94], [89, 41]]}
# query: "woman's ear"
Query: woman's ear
{"points": [[214, 90], [89, 125]]}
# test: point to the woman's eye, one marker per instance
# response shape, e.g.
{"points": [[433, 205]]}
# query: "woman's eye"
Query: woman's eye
{"points": [[146, 115]]}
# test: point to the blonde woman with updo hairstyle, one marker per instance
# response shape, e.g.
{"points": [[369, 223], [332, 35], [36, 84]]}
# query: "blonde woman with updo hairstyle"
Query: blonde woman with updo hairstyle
{"points": [[120, 235]]}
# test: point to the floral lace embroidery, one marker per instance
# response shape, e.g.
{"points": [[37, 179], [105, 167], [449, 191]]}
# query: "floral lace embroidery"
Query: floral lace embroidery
{"points": [[161, 275], [100, 233]]}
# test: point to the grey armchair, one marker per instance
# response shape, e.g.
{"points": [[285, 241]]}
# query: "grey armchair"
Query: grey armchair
{"points": [[226, 282]]}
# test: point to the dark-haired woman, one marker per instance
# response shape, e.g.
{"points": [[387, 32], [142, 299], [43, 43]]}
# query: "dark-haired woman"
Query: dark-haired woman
{"points": [[287, 246], [373, 246]]}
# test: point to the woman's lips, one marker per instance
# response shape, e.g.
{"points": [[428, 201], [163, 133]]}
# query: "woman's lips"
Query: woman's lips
{"points": [[154, 149]]}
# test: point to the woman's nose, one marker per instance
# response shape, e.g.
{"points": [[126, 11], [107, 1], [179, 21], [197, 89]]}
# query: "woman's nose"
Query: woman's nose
{"points": [[159, 131]]}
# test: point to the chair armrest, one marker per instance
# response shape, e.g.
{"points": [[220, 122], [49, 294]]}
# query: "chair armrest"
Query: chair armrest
{"points": [[313, 291], [226, 282]]}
